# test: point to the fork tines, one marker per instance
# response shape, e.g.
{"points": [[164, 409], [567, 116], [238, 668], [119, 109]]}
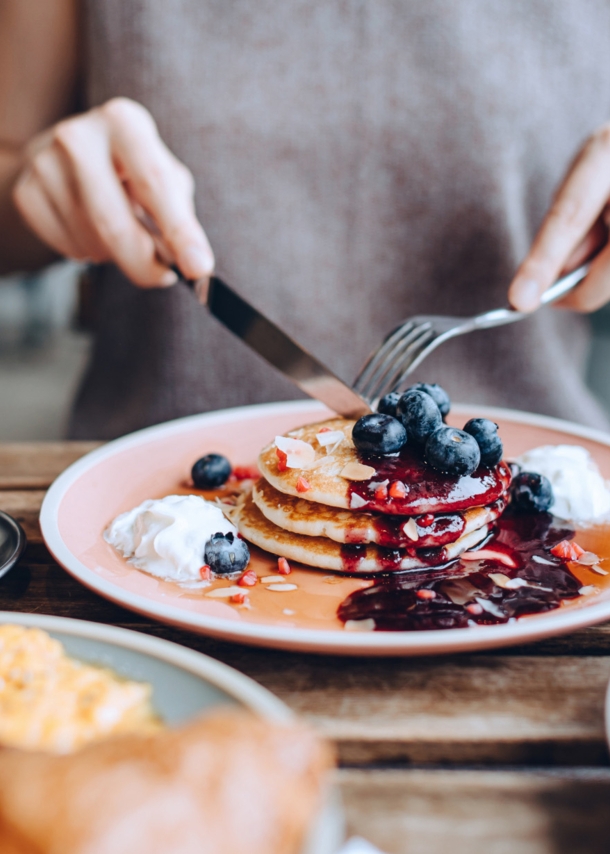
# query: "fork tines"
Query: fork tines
{"points": [[387, 367]]}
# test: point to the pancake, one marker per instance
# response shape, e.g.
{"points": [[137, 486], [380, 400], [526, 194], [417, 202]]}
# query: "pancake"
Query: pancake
{"points": [[356, 526], [323, 553], [427, 491]]}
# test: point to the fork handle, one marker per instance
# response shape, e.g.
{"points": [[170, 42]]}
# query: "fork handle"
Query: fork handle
{"points": [[509, 315]]}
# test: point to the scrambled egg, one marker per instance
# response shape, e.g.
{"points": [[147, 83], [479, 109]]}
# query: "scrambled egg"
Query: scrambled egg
{"points": [[51, 702]]}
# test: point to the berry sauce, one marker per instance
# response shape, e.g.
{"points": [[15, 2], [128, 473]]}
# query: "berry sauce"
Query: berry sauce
{"points": [[427, 490], [464, 594], [432, 530]]}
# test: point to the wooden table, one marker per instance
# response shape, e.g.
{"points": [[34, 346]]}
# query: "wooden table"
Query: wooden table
{"points": [[502, 752]]}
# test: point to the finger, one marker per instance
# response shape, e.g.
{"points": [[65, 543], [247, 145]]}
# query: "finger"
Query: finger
{"points": [[160, 183], [101, 194], [54, 175], [594, 290], [593, 242], [577, 205], [37, 211]]}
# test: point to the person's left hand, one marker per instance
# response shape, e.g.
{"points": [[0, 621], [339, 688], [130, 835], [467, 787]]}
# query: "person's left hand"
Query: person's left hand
{"points": [[573, 229]]}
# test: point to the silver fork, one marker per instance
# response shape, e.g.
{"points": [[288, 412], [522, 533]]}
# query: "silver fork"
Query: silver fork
{"points": [[388, 367]]}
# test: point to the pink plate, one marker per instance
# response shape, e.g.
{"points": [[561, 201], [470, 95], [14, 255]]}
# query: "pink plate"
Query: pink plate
{"points": [[156, 462]]}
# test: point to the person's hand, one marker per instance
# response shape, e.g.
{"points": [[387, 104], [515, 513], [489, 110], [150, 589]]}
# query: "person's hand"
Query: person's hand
{"points": [[85, 180], [575, 226]]}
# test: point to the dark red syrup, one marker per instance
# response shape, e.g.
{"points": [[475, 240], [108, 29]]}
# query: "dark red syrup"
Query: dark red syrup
{"points": [[394, 601], [389, 559], [432, 531], [428, 491]]}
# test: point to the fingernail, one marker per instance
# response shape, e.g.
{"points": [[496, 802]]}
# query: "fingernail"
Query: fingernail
{"points": [[168, 278], [528, 295], [195, 262]]}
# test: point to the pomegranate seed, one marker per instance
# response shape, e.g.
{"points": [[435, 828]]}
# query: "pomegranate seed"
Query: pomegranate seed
{"points": [[426, 520], [283, 567], [425, 594], [567, 550], [246, 472], [381, 493], [248, 579], [205, 572], [474, 608], [397, 489], [324, 430], [239, 598], [282, 460], [303, 485]]}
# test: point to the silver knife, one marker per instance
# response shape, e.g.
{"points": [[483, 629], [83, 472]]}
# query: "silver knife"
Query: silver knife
{"points": [[277, 348]]}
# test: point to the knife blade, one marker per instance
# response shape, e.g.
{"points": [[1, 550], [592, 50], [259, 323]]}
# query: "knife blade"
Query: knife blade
{"points": [[277, 348]]}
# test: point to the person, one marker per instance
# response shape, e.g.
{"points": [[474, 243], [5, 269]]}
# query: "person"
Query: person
{"points": [[351, 163]]}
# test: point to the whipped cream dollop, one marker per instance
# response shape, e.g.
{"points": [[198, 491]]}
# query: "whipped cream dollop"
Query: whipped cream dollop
{"points": [[581, 494], [167, 536]]}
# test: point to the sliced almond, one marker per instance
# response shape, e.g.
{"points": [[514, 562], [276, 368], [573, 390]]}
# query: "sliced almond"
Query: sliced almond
{"points": [[599, 570], [357, 471], [490, 607], [490, 554], [281, 588], [269, 579], [588, 590], [410, 529], [330, 437], [507, 583], [498, 578], [357, 501], [360, 625], [224, 592], [459, 590], [543, 560], [588, 559], [299, 454]]}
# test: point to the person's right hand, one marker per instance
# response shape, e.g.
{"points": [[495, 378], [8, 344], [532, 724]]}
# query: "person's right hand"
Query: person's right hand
{"points": [[84, 180]]}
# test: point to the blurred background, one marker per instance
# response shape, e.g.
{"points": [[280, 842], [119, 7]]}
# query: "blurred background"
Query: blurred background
{"points": [[43, 353]]}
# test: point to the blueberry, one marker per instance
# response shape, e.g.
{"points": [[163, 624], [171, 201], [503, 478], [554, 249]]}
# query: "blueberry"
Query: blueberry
{"points": [[379, 434], [387, 405], [486, 434], [452, 451], [420, 415], [211, 471], [438, 395], [531, 492], [225, 554]]}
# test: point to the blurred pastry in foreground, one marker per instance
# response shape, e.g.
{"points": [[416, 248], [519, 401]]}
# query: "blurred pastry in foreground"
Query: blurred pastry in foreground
{"points": [[224, 784]]}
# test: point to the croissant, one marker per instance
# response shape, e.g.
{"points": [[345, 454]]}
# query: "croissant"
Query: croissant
{"points": [[224, 784]]}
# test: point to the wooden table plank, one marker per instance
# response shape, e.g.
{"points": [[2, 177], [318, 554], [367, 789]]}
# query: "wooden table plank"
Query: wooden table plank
{"points": [[24, 506], [479, 812], [34, 465]]}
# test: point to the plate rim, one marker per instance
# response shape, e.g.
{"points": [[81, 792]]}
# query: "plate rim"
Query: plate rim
{"points": [[231, 681], [306, 639]]}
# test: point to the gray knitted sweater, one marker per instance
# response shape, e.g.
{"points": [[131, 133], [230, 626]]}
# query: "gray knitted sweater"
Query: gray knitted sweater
{"points": [[357, 161]]}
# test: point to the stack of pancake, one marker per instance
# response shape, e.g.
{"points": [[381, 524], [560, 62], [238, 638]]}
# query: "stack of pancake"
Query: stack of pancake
{"points": [[322, 503]]}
